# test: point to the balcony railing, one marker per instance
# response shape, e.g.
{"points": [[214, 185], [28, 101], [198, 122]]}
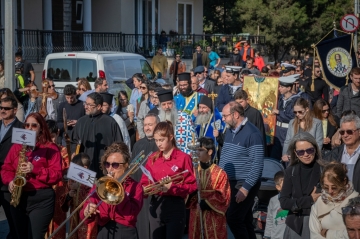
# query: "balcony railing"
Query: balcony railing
{"points": [[36, 44]]}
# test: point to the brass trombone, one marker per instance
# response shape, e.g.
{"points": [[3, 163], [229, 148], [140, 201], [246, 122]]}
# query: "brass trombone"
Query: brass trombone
{"points": [[108, 189], [155, 188]]}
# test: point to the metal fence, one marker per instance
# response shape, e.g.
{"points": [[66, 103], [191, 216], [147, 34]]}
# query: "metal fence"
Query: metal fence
{"points": [[36, 44]]}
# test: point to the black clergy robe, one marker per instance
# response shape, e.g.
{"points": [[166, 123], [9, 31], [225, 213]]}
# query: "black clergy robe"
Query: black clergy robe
{"points": [[143, 223], [254, 116], [95, 133]]}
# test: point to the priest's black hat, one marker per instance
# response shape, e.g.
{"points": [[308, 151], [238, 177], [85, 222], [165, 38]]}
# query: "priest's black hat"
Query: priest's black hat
{"points": [[107, 97], [185, 76], [206, 101], [165, 95]]}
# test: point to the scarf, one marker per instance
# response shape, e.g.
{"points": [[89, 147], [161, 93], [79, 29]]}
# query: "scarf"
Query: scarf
{"points": [[338, 198]]}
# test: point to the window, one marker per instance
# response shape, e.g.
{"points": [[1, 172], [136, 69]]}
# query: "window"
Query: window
{"points": [[146, 70], [184, 18], [72, 69]]}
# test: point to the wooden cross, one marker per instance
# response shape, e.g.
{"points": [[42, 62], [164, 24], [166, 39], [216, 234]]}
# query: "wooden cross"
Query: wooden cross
{"points": [[44, 95]]}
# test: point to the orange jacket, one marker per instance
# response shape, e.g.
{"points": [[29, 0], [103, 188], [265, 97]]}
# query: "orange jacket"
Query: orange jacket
{"points": [[259, 62], [181, 68]]}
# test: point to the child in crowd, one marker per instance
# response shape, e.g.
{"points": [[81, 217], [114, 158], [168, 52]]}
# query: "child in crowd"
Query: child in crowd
{"points": [[76, 194], [275, 220], [59, 215]]}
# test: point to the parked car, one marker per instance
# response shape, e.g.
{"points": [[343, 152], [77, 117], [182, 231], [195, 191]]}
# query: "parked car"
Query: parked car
{"points": [[117, 67]]}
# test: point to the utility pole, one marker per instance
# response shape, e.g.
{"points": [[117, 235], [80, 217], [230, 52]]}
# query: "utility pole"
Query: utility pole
{"points": [[9, 59], [356, 12]]}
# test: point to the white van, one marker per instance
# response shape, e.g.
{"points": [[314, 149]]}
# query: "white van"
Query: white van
{"points": [[117, 67]]}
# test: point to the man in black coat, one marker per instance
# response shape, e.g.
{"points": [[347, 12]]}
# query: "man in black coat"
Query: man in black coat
{"points": [[8, 108], [148, 145], [349, 152]]}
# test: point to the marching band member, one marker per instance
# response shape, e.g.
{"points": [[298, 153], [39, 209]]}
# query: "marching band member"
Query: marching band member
{"points": [[215, 196], [59, 215], [116, 221], [167, 207], [75, 194], [43, 170]]}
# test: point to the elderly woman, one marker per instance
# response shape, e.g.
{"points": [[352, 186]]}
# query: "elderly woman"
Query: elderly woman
{"points": [[326, 219], [301, 181]]}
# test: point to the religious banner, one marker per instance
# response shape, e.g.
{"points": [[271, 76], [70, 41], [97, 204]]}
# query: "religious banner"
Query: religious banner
{"points": [[337, 57], [262, 95]]}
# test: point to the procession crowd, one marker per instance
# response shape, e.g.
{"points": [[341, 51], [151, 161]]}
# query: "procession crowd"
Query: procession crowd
{"points": [[201, 147]]}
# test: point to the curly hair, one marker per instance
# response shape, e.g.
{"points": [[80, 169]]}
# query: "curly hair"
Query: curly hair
{"points": [[117, 147]]}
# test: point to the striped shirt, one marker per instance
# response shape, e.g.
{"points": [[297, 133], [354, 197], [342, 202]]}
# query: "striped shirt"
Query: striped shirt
{"points": [[242, 156]]}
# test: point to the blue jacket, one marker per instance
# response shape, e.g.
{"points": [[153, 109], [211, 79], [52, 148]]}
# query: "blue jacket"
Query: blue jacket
{"points": [[286, 111], [224, 97]]}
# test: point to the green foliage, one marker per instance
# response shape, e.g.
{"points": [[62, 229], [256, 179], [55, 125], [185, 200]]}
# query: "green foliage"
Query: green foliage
{"points": [[284, 23]]}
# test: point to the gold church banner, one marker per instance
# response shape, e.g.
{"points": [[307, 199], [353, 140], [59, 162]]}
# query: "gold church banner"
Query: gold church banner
{"points": [[262, 95]]}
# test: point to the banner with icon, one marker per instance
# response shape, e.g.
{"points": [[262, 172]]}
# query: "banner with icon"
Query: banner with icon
{"points": [[262, 95], [337, 57]]}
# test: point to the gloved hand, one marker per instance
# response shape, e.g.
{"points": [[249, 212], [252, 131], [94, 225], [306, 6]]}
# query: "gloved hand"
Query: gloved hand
{"points": [[204, 206]]}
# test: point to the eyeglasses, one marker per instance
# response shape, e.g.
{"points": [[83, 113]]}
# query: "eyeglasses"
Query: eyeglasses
{"points": [[297, 70], [225, 116], [348, 131], [324, 111], [88, 105], [113, 165], [317, 71], [206, 71], [31, 125], [348, 210], [298, 112], [143, 87], [6, 108], [51, 86], [302, 151]]}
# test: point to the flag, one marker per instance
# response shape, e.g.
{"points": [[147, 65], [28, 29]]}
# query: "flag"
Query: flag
{"points": [[337, 58]]}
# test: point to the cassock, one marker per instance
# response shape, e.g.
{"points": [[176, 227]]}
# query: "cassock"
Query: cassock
{"points": [[254, 116], [215, 190], [143, 224], [95, 132]]}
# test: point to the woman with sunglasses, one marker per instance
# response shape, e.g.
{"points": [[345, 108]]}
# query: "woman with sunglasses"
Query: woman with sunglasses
{"points": [[304, 121], [5, 92], [43, 170], [326, 219], [167, 207], [329, 121], [116, 221], [301, 185], [83, 85], [138, 80]]}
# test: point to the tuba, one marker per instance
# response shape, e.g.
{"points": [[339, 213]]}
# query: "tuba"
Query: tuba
{"points": [[19, 180]]}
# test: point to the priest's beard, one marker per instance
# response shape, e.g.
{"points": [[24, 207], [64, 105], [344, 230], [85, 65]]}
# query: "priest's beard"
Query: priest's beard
{"points": [[169, 115], [186, 92], [203, 118]]}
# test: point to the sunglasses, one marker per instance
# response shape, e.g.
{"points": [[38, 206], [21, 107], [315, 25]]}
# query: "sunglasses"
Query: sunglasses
{"points": [[297, 70], [298, 112], [350, 210], [31, 125], [82, 89], [143, 87], [302, 152], [6, 108], [324, 111], [348, 132], [51, 86], [113, 165]]}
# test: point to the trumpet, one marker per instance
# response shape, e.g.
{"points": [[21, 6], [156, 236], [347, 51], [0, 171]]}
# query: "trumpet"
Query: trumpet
{"points": [[155, 188], [108, 189]]}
